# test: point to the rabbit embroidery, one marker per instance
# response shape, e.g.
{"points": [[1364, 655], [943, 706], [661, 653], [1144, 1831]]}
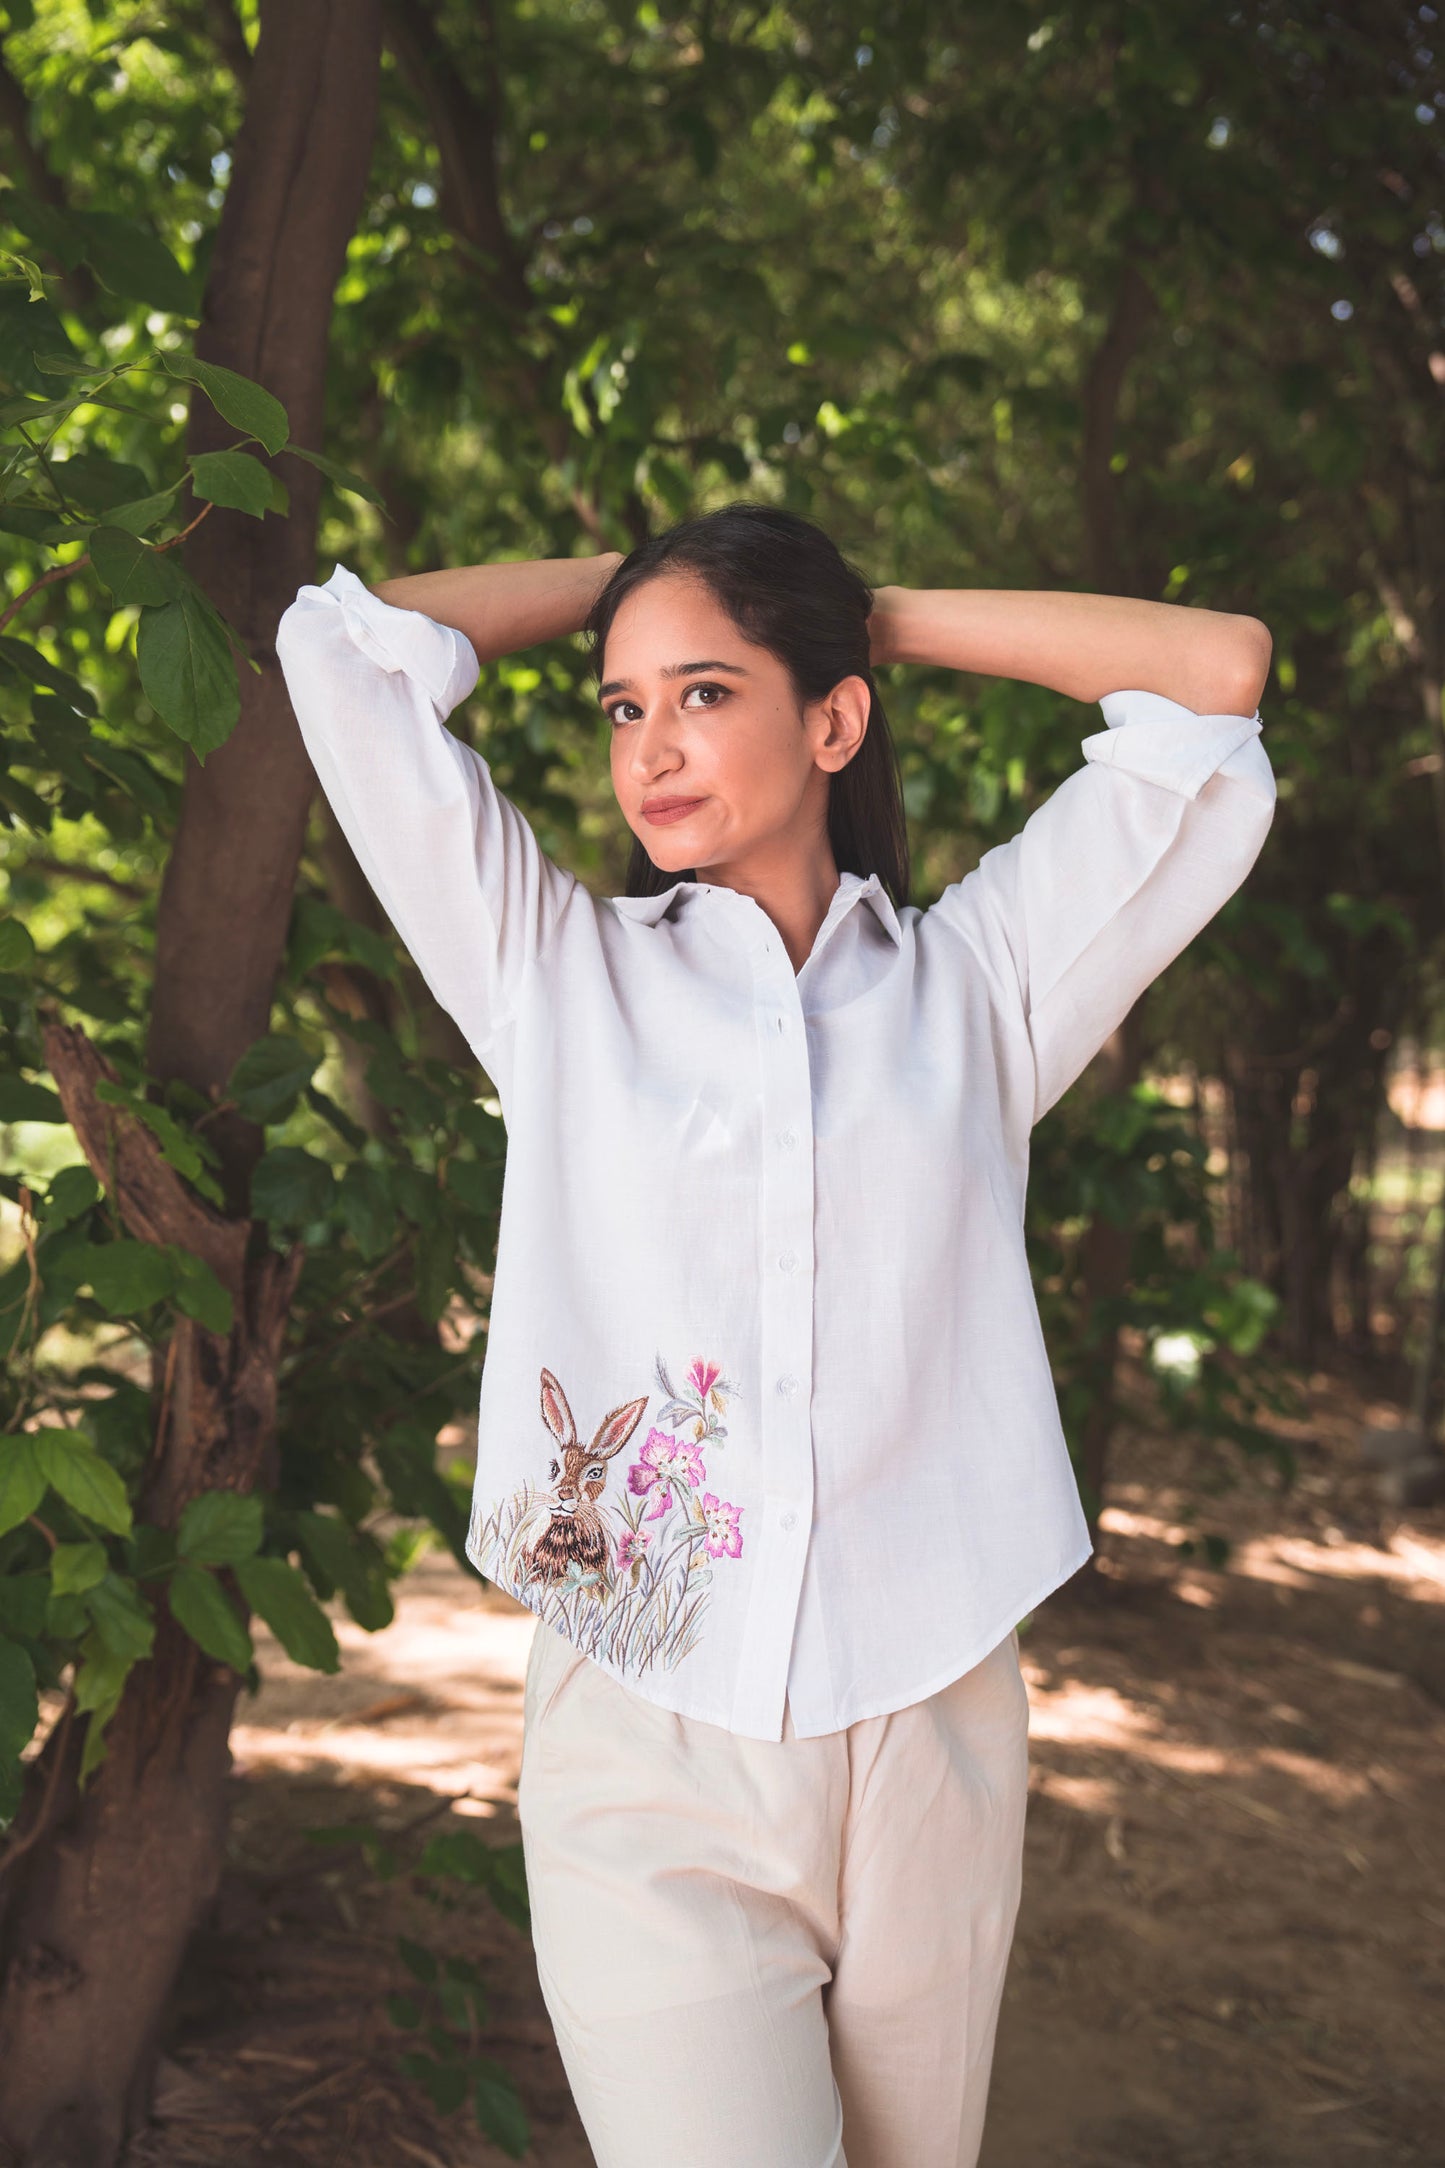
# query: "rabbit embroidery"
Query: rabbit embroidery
{"points": [[628, 1578], [576, 1533]]}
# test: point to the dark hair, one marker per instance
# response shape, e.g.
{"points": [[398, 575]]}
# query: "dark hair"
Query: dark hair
{"points": [[787, 587]]}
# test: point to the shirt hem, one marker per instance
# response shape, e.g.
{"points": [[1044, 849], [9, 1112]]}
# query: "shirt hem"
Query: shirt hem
{"points": [[956, 1667]]}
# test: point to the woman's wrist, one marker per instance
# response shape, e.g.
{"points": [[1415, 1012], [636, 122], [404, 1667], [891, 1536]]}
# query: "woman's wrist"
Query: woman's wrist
{"points": [[885, 626]]}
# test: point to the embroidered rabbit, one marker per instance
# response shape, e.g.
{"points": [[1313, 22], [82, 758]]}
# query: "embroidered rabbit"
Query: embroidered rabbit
{"points": [[576, 1535]]}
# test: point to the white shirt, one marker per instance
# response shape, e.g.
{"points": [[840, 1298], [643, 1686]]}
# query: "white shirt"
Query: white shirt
{"points": [[762, 1235]]}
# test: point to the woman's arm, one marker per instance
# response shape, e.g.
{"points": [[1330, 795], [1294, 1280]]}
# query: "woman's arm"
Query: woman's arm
{"points": [[1212, 661], [504, 607]]}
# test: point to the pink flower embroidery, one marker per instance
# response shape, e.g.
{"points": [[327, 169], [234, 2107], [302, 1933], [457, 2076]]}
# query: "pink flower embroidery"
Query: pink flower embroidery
{"points": [[724, 1537], [701, 1376], [630, 1546], [665, 1460]]}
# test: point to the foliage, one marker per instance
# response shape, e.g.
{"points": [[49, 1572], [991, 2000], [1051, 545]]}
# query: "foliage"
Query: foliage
{"points": [[1133, 1161], [414, 1212], [448, 2008]]}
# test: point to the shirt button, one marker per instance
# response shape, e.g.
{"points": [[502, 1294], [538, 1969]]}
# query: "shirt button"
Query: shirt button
{"points": [[787, 1386], [788, 1138], [787, 1520], [788, 1259]]}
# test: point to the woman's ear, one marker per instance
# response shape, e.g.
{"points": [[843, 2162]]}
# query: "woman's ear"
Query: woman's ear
{"points": [[839, 722]]}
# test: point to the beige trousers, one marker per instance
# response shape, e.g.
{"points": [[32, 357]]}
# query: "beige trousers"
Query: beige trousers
{"points": [[774, 1953]]}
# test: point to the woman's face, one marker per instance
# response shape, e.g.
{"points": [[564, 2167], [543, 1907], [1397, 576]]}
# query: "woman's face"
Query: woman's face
{"points": [[698, 714]]}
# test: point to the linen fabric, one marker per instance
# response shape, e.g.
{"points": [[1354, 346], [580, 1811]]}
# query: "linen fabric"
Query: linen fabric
{"points": [[789, 1953], [766, 1418]]}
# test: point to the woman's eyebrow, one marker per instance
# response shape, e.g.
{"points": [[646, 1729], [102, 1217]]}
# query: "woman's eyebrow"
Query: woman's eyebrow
{"points": [[671, 670]]}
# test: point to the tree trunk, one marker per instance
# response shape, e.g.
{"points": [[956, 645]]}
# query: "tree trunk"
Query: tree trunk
{"points": [[103, 1887]]}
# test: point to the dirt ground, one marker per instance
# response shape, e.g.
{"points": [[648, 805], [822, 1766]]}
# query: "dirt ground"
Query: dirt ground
{"points": [[1231, 1951]]}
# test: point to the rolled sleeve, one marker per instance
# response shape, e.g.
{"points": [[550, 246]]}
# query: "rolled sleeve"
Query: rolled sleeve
{"points": [[1115, 873], [453, 862]]}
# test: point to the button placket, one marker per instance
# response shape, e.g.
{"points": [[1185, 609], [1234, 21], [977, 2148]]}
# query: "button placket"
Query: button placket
{"points": [[785, 1338]]}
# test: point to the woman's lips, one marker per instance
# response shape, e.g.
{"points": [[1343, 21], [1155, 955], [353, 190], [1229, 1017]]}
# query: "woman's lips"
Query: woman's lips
{"points": [[679, 812]]}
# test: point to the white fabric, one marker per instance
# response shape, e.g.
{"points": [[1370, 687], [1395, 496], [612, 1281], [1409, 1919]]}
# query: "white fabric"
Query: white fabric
{"points": [[779, 1953], [762, 1233]]}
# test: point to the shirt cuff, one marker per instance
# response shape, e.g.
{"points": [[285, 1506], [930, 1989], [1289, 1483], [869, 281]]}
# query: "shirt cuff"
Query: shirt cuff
{"points": [[440, 658], [1164, 742]]}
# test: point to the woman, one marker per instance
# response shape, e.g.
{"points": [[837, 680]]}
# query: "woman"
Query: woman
{"points": [[767, 1435]]}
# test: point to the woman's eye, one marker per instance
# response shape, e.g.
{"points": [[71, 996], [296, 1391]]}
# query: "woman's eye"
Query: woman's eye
{"points": [[626, 711]]}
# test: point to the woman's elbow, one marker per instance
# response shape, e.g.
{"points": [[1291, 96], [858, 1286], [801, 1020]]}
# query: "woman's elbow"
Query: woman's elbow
{"points": [[1244, 664]]}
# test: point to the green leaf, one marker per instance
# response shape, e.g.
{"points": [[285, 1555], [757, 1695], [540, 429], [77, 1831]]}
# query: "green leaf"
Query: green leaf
{"points": [[33, 666], [25, 327], [39, 526], [436, 1252], [72, 1466], [19, 1702], [188, 671], [236, 399], [201, 1605], [75, 1567], [99, 1684], [55, 362], [338, 1556], [141, 513], [130, 569], [419, 1960], [22, 1480], [100, 1675], [24, 1601], [96, 482], [180, 1148], [20, 1100], [276, 1590], [131, 261], [219, 1527], [122, 1618], [72, 1190], [341, 476], [270, 1077], [445, 2083], [125, 1277], [290, 1187], [199, 1293], [233, 479], [368, 1209], [500, 2114]]}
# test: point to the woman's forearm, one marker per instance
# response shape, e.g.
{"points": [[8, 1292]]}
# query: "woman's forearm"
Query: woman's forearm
{"points": [[1084, 645], [504, 607]]}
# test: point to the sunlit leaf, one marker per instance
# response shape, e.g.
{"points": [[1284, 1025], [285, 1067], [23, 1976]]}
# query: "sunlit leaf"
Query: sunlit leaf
{"points": [[239, 401]]}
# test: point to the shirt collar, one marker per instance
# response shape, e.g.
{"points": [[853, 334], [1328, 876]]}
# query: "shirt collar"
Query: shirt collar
{"points": [[851, 887]]}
